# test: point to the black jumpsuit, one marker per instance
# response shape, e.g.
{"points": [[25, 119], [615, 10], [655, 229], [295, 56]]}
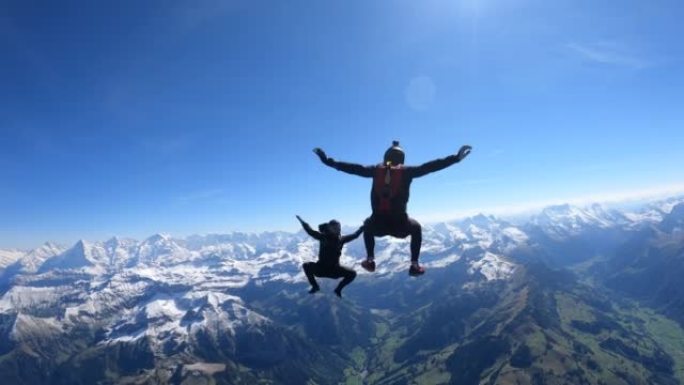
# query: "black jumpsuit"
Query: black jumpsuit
{"points": [[396, 222], [328, 264]]}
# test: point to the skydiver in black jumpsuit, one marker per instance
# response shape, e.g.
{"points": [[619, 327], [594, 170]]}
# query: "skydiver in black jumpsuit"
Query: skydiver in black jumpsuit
{"points": [[330, 249], [389, 198]]}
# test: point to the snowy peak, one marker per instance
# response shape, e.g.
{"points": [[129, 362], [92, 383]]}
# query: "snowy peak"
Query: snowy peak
{"points": [[492, 267], [8, 257], [568, 214], [94, 258], [158, 238], [565, 220], [482, 221], [609, 216], [666, 206], [489, 232], [654, 212], [161, 249], [34, 259], [175, 320], [674, 221], [114, 243], [120, 251], [81, 255]]}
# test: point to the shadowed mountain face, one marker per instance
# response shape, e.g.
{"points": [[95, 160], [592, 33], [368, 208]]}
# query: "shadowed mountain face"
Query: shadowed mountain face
{"points": [[581, 295], [650, 266]]}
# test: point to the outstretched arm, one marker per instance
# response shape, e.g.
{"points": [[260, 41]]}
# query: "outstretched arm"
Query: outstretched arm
{"points": [[440, 164], [315, 234], [349, 168], [351, 237]]}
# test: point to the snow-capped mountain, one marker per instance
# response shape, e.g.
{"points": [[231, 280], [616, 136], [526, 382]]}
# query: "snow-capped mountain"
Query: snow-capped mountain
{"points": [[652, 212], [673, 222], [233, 260], [566, 220], [168, 297], [222, 262], [162, 295], [8, 257], [31, 261]]}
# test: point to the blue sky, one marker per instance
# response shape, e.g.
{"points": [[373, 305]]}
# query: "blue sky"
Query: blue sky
{"points": [[130, 118]]}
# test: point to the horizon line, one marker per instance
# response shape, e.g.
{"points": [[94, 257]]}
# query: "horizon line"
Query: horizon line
{"points": [[503, 211]]}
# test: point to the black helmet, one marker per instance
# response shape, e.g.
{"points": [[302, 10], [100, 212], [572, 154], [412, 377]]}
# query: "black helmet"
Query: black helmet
{"points": [[330, 228], [334, 227], [394, 154]]}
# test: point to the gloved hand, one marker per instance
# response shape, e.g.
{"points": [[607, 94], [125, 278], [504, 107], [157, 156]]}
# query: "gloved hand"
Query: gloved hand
{"points": [[321, 154], [463, 152]]}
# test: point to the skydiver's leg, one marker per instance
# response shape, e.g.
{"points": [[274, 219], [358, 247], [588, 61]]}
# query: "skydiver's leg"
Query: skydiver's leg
{"points": [[309, 269], [370, 231], [416, 231], [348, 276], [404, 227], [369, 237], [369, 241]]}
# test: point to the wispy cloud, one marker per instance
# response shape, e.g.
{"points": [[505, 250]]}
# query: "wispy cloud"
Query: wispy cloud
{"points": [[609, 53]]}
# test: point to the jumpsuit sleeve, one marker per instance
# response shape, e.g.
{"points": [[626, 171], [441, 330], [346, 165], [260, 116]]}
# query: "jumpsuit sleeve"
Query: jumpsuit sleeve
{"points": [[432, 166], [351, 168], [315, 234], [351, 237]]}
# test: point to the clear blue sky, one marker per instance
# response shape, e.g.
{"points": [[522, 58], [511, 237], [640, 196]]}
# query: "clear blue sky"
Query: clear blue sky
{"points": [[129, 118]]}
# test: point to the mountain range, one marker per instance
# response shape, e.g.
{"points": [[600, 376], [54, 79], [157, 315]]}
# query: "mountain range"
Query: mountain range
{"points": [[569, 294]]}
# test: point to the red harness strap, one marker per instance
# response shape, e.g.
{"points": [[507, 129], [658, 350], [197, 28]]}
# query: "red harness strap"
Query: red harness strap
{"points": [[386, 185]]}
